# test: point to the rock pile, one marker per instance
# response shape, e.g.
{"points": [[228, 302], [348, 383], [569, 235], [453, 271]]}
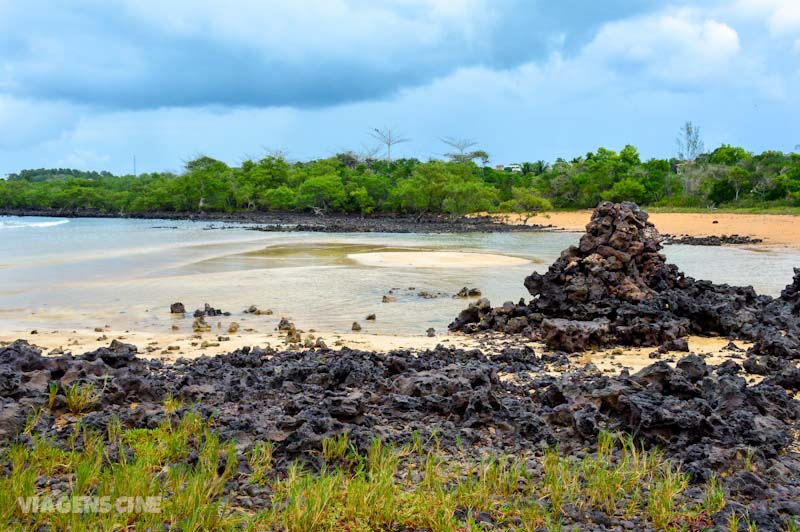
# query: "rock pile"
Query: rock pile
{"points": [[616, 288]]}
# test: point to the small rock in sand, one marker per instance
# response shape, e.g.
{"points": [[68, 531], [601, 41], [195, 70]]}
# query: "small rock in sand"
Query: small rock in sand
{"points": [[468, 292], [356, 326], [431, 332], [199, 325], [389, 299], [371, 317], [177, 308], [233, 328]]}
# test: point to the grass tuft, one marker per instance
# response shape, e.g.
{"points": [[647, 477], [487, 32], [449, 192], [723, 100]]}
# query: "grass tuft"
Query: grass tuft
{"points": [[81, 397]]}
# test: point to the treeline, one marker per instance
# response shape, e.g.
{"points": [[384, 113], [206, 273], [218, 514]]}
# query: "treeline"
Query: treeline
{"points": [[45, 174], [727, 176]]}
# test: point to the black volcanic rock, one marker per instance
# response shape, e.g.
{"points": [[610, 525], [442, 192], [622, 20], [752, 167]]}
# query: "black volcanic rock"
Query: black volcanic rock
{"points": [[616, 287], [707, 418]]}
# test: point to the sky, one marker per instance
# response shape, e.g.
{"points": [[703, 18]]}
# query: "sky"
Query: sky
{"points": [[91, 84]]}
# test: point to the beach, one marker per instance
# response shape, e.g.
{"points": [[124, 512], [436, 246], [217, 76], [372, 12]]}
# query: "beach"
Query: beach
{"points": [[79, 294], [292, 344], [774, 229]]}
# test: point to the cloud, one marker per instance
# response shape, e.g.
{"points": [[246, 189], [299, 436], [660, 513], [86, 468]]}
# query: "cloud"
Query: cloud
{"points": [[782, 16], [25, 122], [144, 54], [673, 48], [93, 85]]}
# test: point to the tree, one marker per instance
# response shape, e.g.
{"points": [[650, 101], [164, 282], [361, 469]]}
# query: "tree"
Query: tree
{"points": [[526, 203], [690, 145], [389, 138], [206, 185], [626, 190], [728, 155], [324, 192], [467, 196], [360, 196], [630, 155], [462, 155], [535, 168], [279, 199], [739, 179]]}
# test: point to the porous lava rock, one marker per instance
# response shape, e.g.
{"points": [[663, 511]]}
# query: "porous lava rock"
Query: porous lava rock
{"points": [[615, 287], [708, 418]]}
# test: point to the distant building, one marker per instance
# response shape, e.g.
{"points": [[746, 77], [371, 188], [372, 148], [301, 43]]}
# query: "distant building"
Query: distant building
{"points": [[513, 167], [684, 166]]}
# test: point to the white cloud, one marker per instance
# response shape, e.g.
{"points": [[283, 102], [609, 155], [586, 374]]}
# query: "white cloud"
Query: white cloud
{"points": [[24, 122], [670, 47], [782, 16]]}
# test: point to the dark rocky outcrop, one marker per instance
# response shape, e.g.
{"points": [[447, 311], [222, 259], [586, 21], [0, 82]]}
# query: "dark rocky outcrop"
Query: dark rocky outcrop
{"points": [[712, 240], [615, 287], [708, 418], [209, 311]]}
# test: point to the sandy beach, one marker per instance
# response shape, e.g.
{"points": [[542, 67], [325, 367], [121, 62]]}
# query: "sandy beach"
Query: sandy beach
{"points": [[435, 259], [170, 346], [775, 229]]}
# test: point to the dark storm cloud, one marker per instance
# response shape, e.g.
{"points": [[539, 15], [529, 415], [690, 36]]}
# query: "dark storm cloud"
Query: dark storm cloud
{"points": [[107, 54]]}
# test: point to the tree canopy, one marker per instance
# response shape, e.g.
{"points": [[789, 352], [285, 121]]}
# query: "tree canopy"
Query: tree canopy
{"points": [[352, 183]]}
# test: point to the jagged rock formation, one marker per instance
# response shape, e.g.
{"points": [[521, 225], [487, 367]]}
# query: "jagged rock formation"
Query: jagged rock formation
{"points": [[708, 418], [616, 288], [791, 294]]}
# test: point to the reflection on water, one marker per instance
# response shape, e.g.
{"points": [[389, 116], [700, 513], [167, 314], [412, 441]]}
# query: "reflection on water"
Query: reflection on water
{"points": [[127, 272]]}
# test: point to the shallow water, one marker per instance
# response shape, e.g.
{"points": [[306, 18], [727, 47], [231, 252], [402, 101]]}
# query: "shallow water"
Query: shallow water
{"points": [[127, 272]]}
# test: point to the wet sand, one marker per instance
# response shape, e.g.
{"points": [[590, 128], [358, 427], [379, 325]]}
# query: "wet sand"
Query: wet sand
{"points": [[435, 259], [774, 229]]}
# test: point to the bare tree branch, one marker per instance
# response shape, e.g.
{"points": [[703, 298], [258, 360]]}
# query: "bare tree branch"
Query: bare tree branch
{"points": [[690, 145], [461, 145], [388, 137]]}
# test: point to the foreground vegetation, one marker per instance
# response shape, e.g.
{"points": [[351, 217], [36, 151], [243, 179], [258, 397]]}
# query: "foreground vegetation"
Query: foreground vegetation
{"points": [[200, 480], [728, 177]]}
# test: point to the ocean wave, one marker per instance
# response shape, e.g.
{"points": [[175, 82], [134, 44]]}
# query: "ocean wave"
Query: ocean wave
{"points": [[18, 224]]}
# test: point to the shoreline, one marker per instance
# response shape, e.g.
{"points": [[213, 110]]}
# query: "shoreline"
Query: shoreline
{"points": [[328, 223], [756, 230], [726, 413], [775, 230]]}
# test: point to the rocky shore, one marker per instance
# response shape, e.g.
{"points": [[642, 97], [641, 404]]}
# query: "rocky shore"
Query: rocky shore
{"points": [[615, 287], [712, 240], [329, 223], [732, 425], [710, 419]]}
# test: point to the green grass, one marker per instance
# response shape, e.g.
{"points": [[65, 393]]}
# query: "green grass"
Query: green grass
{"points": [[81, 397], [184, 462]]}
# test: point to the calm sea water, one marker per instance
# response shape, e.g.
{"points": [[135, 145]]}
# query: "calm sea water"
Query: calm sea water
{"points": [[72, 273]]}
